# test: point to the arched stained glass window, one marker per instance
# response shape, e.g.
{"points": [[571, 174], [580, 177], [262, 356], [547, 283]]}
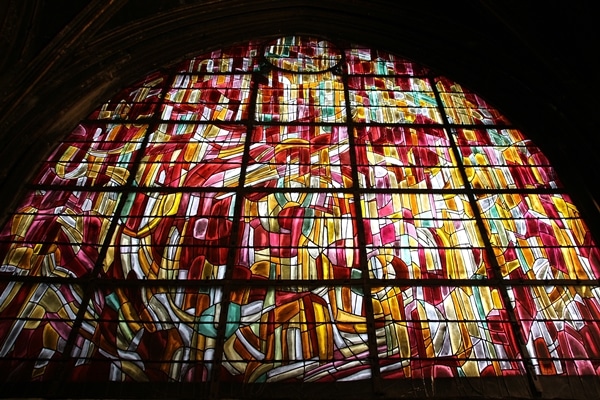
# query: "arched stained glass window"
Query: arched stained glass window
{"points": [[296, 211]]}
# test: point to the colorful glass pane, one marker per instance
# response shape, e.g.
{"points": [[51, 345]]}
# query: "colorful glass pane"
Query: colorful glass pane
{"points": [[422, 236], [242, 58], [290, 156], [560, 325], [289, 235], [190, 155], [148, 333], [134, 103], [392, 100], [286, 97], [299, 54], [94, 154], [296, 211], [298, 334], [464, 107], [396, 157], [444, 331], [539, 236], [37, 320], [57, 233], [207, 98]]}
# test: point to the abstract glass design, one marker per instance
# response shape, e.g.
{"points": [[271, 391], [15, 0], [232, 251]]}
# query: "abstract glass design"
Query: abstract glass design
{"points": [[296, 211]]}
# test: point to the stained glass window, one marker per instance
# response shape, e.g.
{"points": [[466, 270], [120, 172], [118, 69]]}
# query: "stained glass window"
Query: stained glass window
{"points": [[296, 211]]}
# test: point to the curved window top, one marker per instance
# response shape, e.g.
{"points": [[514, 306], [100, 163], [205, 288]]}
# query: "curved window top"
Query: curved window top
{"points": [[299, 54], [296, 211]]}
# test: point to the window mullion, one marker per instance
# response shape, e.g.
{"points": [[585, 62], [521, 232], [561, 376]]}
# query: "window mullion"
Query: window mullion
{"points": [[234, 243], [362, 251], [89, 282], [497, 278]]}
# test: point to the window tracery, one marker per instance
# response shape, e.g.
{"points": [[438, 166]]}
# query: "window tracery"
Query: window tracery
{"points": [[296, 211]]}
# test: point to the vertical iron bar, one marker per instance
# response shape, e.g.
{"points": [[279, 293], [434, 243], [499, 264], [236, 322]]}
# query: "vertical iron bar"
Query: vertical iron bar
{"points": [[88, 283], [234, 241], [362, 242], [534, 384]]}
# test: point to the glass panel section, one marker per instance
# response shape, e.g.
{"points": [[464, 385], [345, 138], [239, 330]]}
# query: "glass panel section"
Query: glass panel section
{"points": [[539, 236], [146, 334], [366, 61], [207, 98], [431, 332], [172, 236], [299, 236], [94, 154], [464, 107], [299, 157], [392, 100], [190, 155], [422, 236], [561, 326], [57, 233], [137, 102], [284, 96], [298, 54], [297, 334], [503, 159], [407, 158], [35, 323], [240, 58], [492, 137]]}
